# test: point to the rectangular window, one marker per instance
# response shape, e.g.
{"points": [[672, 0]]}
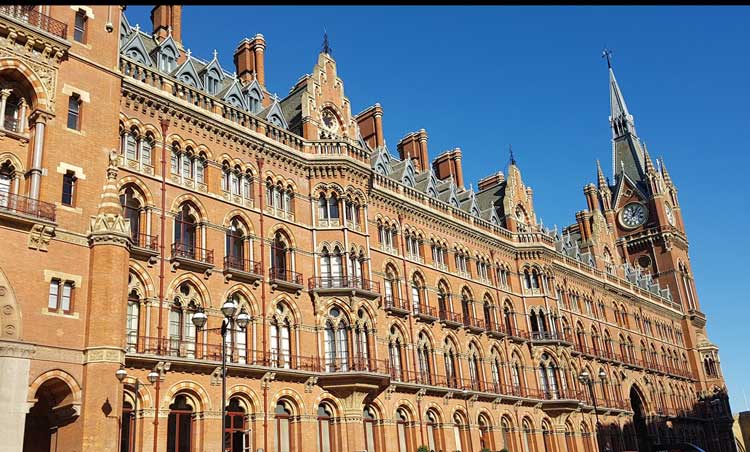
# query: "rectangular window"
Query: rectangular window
{"points": [[60, 296], [74, 112], [79, 29], [68, 189], [54, 291]]}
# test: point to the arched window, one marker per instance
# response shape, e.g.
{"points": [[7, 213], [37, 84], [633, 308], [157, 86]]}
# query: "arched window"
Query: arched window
{"points": [[391, 287], [451, 374], [434, 439], [488, 310], [548, 377], [547, 437], [402, 420], [443, 299], [475, 368], [459, 427], [236, 339], [182, 333], [355, 266], [417, 291], [253, 100], [527, 437], [515, 376], [132, 210], [336, 341], [586, 438], [395, 353], [331, 267], [506, 429], [236, 432], [508, 318], [485, 438], [495, 368], [351, 213], [281, 256], [466, 303], [280, 337], [362, 342], [283, 414], [180, 425], [235, 246], [370, 421], [127, 438], [7, 174], [326, 437], [132, 323], [185, 228], [423, 358]]}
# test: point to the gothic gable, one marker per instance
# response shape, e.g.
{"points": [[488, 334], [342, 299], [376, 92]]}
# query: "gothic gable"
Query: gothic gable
{"points": [[135, 49], [188, 74]]}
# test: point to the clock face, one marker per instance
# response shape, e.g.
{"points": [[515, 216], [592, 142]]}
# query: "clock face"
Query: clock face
{"points": [[329, 121], [670, 215], [634, 214]]}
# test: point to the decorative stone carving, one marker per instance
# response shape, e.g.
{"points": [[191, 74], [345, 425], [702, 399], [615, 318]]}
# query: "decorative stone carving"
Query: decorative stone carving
{"points": [[39, 236]]}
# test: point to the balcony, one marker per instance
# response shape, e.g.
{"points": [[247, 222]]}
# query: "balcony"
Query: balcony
{"points": [[451, 319], [25, 210], [549, 337], [474, 324], [239, 269], [517, 334], [424, 313], [344, 285], [24, 13], [281, 278], [496, 330], [145, 247], [396, 305], [191, 257]]}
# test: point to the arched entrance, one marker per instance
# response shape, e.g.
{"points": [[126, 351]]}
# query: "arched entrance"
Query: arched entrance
{"points": [[51, 422], [642, 439]]}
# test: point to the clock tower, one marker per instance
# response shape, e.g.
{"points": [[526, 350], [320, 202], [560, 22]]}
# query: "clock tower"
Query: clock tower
{"points": [[642, 210]]}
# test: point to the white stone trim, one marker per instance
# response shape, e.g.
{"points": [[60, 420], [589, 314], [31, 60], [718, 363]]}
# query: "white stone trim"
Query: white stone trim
{"points": [[69, 90], [89, 12], [50, 274], [63, 167]]}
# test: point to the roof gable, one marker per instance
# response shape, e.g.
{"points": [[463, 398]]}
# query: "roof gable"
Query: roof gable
{"points": [[275, 116], [135, 49], [188, 74], [233, 96]]}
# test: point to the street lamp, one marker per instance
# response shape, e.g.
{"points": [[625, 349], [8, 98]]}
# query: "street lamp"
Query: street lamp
{"points": [[228, 309], [152, 376], [586, 379]]}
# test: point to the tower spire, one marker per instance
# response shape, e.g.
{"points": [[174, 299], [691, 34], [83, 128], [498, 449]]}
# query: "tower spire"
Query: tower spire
{"points": [[600, 176], [326, 46], [620, 118]]}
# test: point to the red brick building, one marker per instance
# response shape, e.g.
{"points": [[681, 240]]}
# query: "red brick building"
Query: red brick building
{"points": [[386, 305]]}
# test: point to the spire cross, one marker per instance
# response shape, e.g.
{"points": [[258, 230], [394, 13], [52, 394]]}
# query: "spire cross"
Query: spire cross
{"points": [[326, 46], [215, 54], [606, 53]]}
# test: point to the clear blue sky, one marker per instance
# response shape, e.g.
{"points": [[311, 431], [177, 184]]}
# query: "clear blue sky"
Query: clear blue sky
{"points": [[482, 77]]}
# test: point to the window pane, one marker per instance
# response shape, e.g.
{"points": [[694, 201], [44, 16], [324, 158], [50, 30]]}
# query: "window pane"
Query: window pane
{"points": [[80, 26], [67, 291], [73, 111], [54, 287]]}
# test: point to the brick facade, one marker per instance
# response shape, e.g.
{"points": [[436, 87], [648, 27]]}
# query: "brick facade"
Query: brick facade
{"points": [[389, 306]]}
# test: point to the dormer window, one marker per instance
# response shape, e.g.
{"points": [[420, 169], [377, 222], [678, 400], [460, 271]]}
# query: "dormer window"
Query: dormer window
{"points": [[253, 101], [275, 120], [167, 60], [188, 80], [212, 82]]}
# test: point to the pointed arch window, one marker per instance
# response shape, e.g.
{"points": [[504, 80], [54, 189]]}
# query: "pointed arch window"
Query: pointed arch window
{"points": [[180, 426], [325, 428], [283, 438], [370, 421], [336, 342], [185, 228], [132, 323], [433, 431], [451, 375], [281, 338], [423, 359]]}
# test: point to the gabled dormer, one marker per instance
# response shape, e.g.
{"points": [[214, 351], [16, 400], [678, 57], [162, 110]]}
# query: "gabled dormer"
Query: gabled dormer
{"points": [[212, 75], [166, 54], [234, 97], [381, 161], [409, 174], [253, 94], [274, 115], [188, 74], [125, 29], [135, 49]]}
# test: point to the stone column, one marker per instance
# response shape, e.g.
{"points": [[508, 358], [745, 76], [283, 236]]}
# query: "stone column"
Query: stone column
{"points": [[15, 358], [4, 94], [21, 116], [36, 160]]}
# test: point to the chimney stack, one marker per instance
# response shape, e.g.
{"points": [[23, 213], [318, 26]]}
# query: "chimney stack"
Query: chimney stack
{"points": [[414, 146], [166, 17], [491, 181], [449, 164], [370, 124], [249, 59]]}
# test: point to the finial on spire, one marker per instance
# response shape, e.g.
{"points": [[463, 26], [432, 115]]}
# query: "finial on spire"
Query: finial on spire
{"points": [[137, 28], [169, 30], [189, 53], [607, 53], [512, 157], [326, 46], [215, 54]]}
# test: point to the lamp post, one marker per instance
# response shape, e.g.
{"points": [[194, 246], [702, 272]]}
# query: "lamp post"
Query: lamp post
{"points": [[228, 309], [152, 377], [586, 379]]}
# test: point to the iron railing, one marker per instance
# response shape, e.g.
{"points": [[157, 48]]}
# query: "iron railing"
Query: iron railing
{"points": [[25, 13], [13, 203]]}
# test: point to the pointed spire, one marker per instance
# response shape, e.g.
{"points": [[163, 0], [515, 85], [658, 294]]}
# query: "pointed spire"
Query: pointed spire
{"points": [[326, 46], [600, 176], [649, 166], [110, 200], [620, 118], [512, 157], [665, 173]]}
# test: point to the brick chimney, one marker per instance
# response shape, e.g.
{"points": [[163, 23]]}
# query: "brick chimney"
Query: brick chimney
{"points": [[164, 17], [490, 181], [449, 164], [249, 59], [414, 146], [370, 124]]}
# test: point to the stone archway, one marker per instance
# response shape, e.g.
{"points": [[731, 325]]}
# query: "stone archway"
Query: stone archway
{"points": [[638, 405], [51, 421]]}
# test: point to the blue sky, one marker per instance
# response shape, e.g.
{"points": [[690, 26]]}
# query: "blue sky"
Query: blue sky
{"points": [[481, 78]]}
